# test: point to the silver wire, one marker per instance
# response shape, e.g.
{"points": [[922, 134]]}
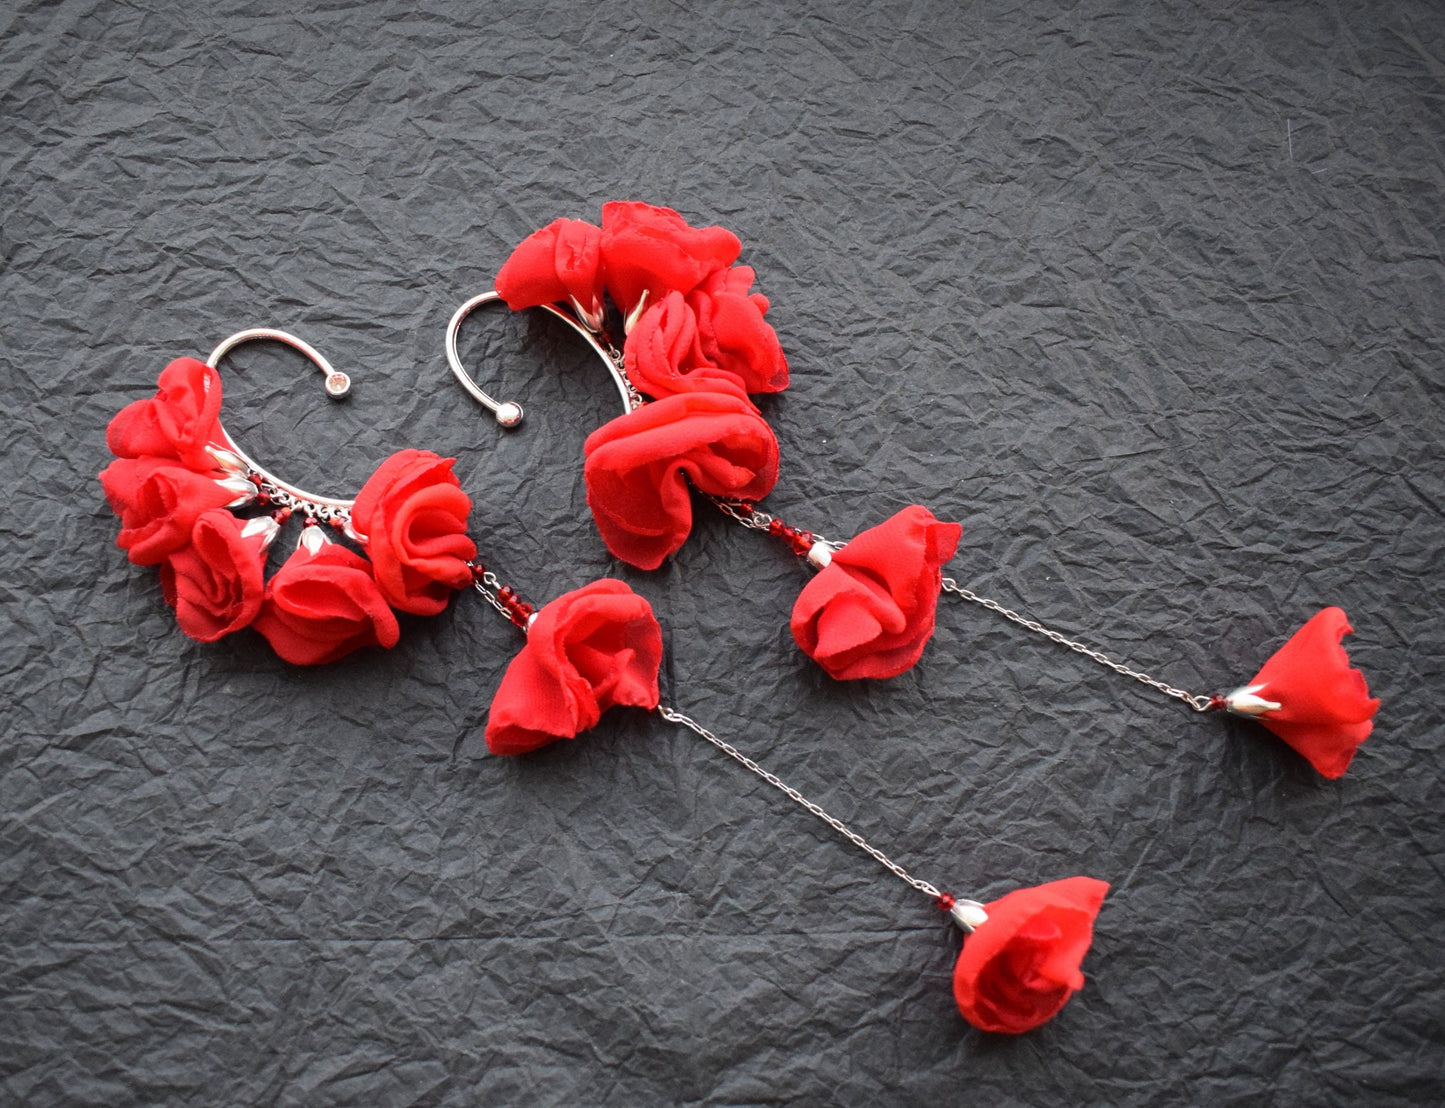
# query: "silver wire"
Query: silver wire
{"points": [[674, 716], [1198, 703]]}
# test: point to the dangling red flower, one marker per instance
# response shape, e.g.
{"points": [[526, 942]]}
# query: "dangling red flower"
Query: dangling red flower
{"points": [[413, 514], [650, 251], [216, 583], [1308, 695], [870, 611], [324, 604], [561, 262], [589, 650], [178, 422], [639, 467], [1019, 968]]}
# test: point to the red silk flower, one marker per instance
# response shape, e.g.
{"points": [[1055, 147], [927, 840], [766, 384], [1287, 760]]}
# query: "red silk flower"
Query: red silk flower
{"points": [[413, 514], [216, 583], [561, 261], [1308, 695], [732, 332], [1019, 968], [870, 611], [319, 607], [654, 251], [158, 503], [178, 422], [589, 650], [664, 354], [639, 465]]}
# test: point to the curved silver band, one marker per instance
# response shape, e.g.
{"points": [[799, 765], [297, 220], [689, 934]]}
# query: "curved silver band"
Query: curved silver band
{"points": [[509, 413], [337, 386]]}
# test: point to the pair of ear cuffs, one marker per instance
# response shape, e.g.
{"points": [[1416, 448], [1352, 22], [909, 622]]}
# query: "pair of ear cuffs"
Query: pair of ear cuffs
{"points": [[192, 502]]}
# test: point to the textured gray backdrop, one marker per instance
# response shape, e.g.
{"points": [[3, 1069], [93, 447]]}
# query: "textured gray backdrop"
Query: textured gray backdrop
{"points": [[1148, 296]]}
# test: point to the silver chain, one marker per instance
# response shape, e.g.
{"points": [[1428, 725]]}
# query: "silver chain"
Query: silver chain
{"points": [[856, 839], [487, 586], [281, 498], [1198, 703], [756, 520]]}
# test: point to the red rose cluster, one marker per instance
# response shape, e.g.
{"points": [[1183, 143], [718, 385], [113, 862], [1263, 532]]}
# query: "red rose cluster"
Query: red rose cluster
{"points": [[176, 503], [697, 343]]}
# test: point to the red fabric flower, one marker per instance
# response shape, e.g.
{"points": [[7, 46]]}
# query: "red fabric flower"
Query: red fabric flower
{"points": [[587, 651], [733, 334], [563, 260], [216, 583], [178, 422], [320, 607], [158, 503], [664, 355], [870, 612], [639, 465], [1021, 966], [1324, 709], [414, 515], [655, 251]]}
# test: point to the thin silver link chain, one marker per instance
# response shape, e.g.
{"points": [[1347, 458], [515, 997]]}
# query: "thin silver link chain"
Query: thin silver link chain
{"points": [[757, 520], [281, 498], [674, 716], [1198, 703], [487, 586]]}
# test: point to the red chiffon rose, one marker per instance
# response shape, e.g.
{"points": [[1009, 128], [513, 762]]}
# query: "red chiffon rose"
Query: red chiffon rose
{"points": [[589, 650], [562, 261], [733, 334], [319, 607], [413, 514], [216, 583], [639, 465], [664, 354], [1019, 968], [1308, 695], [653, 251], [158, 503], [870, 612], [178, 422]]}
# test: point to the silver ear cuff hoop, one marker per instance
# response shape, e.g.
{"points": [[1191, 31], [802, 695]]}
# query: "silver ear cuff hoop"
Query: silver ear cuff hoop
{"points": [[509, 413], [236, 460]]}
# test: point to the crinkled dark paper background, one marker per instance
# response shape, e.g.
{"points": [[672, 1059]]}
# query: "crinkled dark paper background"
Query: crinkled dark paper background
{"points": [[1149, 296]]}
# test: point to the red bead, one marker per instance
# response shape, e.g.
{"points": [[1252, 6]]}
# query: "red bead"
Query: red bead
{"points": [[946, 902]]}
